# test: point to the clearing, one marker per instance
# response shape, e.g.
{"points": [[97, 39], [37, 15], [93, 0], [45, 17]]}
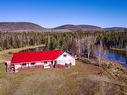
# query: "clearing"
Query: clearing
{"points": [[82, 79]]}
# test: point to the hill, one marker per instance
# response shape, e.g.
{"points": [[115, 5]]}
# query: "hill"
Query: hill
{"points": [[115, 29], [79, 27], [28, 26], [20, 26]]}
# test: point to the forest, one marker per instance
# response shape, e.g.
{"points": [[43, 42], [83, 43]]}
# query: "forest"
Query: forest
{"points": [[77, 42]]}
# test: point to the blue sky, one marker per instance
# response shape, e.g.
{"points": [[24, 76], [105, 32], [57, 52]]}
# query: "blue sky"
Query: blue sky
{"points": [[52, 13]]}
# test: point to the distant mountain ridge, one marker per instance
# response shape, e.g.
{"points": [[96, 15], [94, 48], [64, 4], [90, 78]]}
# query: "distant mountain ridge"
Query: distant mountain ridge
{"points": [[116, 28], [79, 27], [28, 26], [20, 26]]}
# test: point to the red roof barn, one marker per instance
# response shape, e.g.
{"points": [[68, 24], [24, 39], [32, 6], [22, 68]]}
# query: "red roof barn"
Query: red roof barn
{"points": [[22, 57], [43, 59]]}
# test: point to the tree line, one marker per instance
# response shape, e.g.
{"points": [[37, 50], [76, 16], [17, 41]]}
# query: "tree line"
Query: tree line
{"points": [[75, 41]]}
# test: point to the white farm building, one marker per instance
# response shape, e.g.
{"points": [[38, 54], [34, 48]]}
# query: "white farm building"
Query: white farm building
{"points": [[39, 59]]}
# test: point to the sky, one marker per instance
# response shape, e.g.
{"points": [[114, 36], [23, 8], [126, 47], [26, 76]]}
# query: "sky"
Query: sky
{"points": [[52, 13]]}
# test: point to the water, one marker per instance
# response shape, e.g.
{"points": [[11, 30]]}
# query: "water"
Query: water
{"points": [[116, 56], [111, 55]]}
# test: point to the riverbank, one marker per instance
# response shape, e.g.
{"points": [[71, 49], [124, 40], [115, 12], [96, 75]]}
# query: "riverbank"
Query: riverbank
{"points": [[119, 50], [116, 71], [113, 68]]}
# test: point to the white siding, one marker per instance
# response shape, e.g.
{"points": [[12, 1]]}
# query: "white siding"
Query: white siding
{"points": [[62, 59], [39, 63], [36, 63], [17, 66], [28, 65]]}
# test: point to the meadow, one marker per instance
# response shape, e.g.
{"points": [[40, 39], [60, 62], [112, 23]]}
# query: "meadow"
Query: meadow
{"points": [[82, 79]]}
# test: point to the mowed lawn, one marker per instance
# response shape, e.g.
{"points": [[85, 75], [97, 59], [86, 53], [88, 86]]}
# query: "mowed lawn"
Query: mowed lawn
{"points": [[82, 79]]}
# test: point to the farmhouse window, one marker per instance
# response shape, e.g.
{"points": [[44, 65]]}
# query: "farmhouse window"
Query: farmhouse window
{"points": [[33, 63], [51, 62], [24, 64], [65, 55], [45, 62], [55, 62]]}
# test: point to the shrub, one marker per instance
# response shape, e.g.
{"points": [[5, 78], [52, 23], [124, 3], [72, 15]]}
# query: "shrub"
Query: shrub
{"points": [[9, 52], [1, 49]]}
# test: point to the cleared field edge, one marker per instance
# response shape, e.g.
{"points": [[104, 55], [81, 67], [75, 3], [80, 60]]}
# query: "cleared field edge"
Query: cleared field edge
{"points": [[6, 53]]}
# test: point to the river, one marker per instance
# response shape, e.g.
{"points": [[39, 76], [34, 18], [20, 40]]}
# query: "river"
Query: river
{"points": [[117, 56], [120, 57], [110, 54]]}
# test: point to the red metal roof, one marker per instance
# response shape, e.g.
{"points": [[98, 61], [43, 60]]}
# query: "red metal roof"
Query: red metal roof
{"points": [[35, 56]]}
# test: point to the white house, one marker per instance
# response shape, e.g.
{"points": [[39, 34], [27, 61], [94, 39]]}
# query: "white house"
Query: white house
{"points": [[40, 59]]}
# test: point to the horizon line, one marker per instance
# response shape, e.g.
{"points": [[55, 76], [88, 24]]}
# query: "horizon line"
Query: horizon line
{"points": [[45, 26]]}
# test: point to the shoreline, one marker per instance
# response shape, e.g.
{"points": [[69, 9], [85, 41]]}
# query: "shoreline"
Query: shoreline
{"points": [[119, 50]]}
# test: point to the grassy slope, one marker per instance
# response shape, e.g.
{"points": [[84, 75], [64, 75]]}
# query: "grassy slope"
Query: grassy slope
{"points": [[81, 79]]}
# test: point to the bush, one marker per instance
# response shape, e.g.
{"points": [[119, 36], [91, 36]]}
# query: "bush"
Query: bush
{"points": [[10, 52], [1, 49]]}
